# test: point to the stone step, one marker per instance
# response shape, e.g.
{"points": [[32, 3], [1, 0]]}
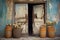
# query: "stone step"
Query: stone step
{"points": [[30, 38]]}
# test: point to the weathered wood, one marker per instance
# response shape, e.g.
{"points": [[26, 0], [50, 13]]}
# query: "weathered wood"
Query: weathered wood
{"points": [[30, 1]]}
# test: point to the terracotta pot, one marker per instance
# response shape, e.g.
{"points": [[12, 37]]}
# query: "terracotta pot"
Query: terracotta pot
{"points": [[8, 31], [43, 31], [51, 31]]}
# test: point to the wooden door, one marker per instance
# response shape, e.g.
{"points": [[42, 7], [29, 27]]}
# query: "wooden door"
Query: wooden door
{"points": [[21, 16], [38, 17]]}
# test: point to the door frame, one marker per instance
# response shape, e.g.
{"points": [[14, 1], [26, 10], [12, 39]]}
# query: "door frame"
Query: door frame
{"points": [[45, 9]]}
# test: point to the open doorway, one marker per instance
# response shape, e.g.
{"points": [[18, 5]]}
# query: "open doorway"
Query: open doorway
{"points": [[30, 17], [36, 17]]}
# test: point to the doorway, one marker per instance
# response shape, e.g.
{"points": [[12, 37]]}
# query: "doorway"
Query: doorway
{"points": [[36, 17], [30, 16]]}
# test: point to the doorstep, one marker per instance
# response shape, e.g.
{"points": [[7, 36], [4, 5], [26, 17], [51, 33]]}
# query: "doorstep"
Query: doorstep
{"points": [[30, 38]]}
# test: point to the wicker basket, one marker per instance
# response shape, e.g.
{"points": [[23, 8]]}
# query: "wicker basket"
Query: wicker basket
{"points": [[17, 32]]}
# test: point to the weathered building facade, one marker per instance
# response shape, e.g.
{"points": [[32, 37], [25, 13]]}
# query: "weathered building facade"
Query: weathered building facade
{"points": [[10, 9]]}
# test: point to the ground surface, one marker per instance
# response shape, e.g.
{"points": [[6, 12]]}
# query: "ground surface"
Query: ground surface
{"points": [[30, 38]]}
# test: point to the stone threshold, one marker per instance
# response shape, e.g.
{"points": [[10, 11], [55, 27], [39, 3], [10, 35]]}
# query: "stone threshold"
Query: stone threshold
{"points": [[30, 38], [33, 37]]}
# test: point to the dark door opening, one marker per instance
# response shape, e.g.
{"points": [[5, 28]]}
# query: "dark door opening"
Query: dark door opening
{"points": [[31, 17], [30, 10]]}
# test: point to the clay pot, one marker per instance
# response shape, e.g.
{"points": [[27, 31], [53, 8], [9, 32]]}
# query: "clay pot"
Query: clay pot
{"points": [[43, 31], [8, 31], [51, 31]]}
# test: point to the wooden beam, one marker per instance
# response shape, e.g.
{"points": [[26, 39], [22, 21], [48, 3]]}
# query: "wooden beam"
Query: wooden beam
{"points": [[29, 1]]}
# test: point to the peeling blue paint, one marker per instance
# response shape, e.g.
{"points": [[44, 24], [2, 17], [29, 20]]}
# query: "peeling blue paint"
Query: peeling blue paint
{"points": [[3, 10], [52, 12]]}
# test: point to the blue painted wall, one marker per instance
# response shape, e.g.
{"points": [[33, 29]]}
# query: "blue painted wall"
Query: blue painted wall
{"points": [[3, 10], [53, 15]]}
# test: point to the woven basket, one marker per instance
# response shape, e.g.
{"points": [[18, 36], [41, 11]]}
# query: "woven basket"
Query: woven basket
{"points": [[17, 32]]}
